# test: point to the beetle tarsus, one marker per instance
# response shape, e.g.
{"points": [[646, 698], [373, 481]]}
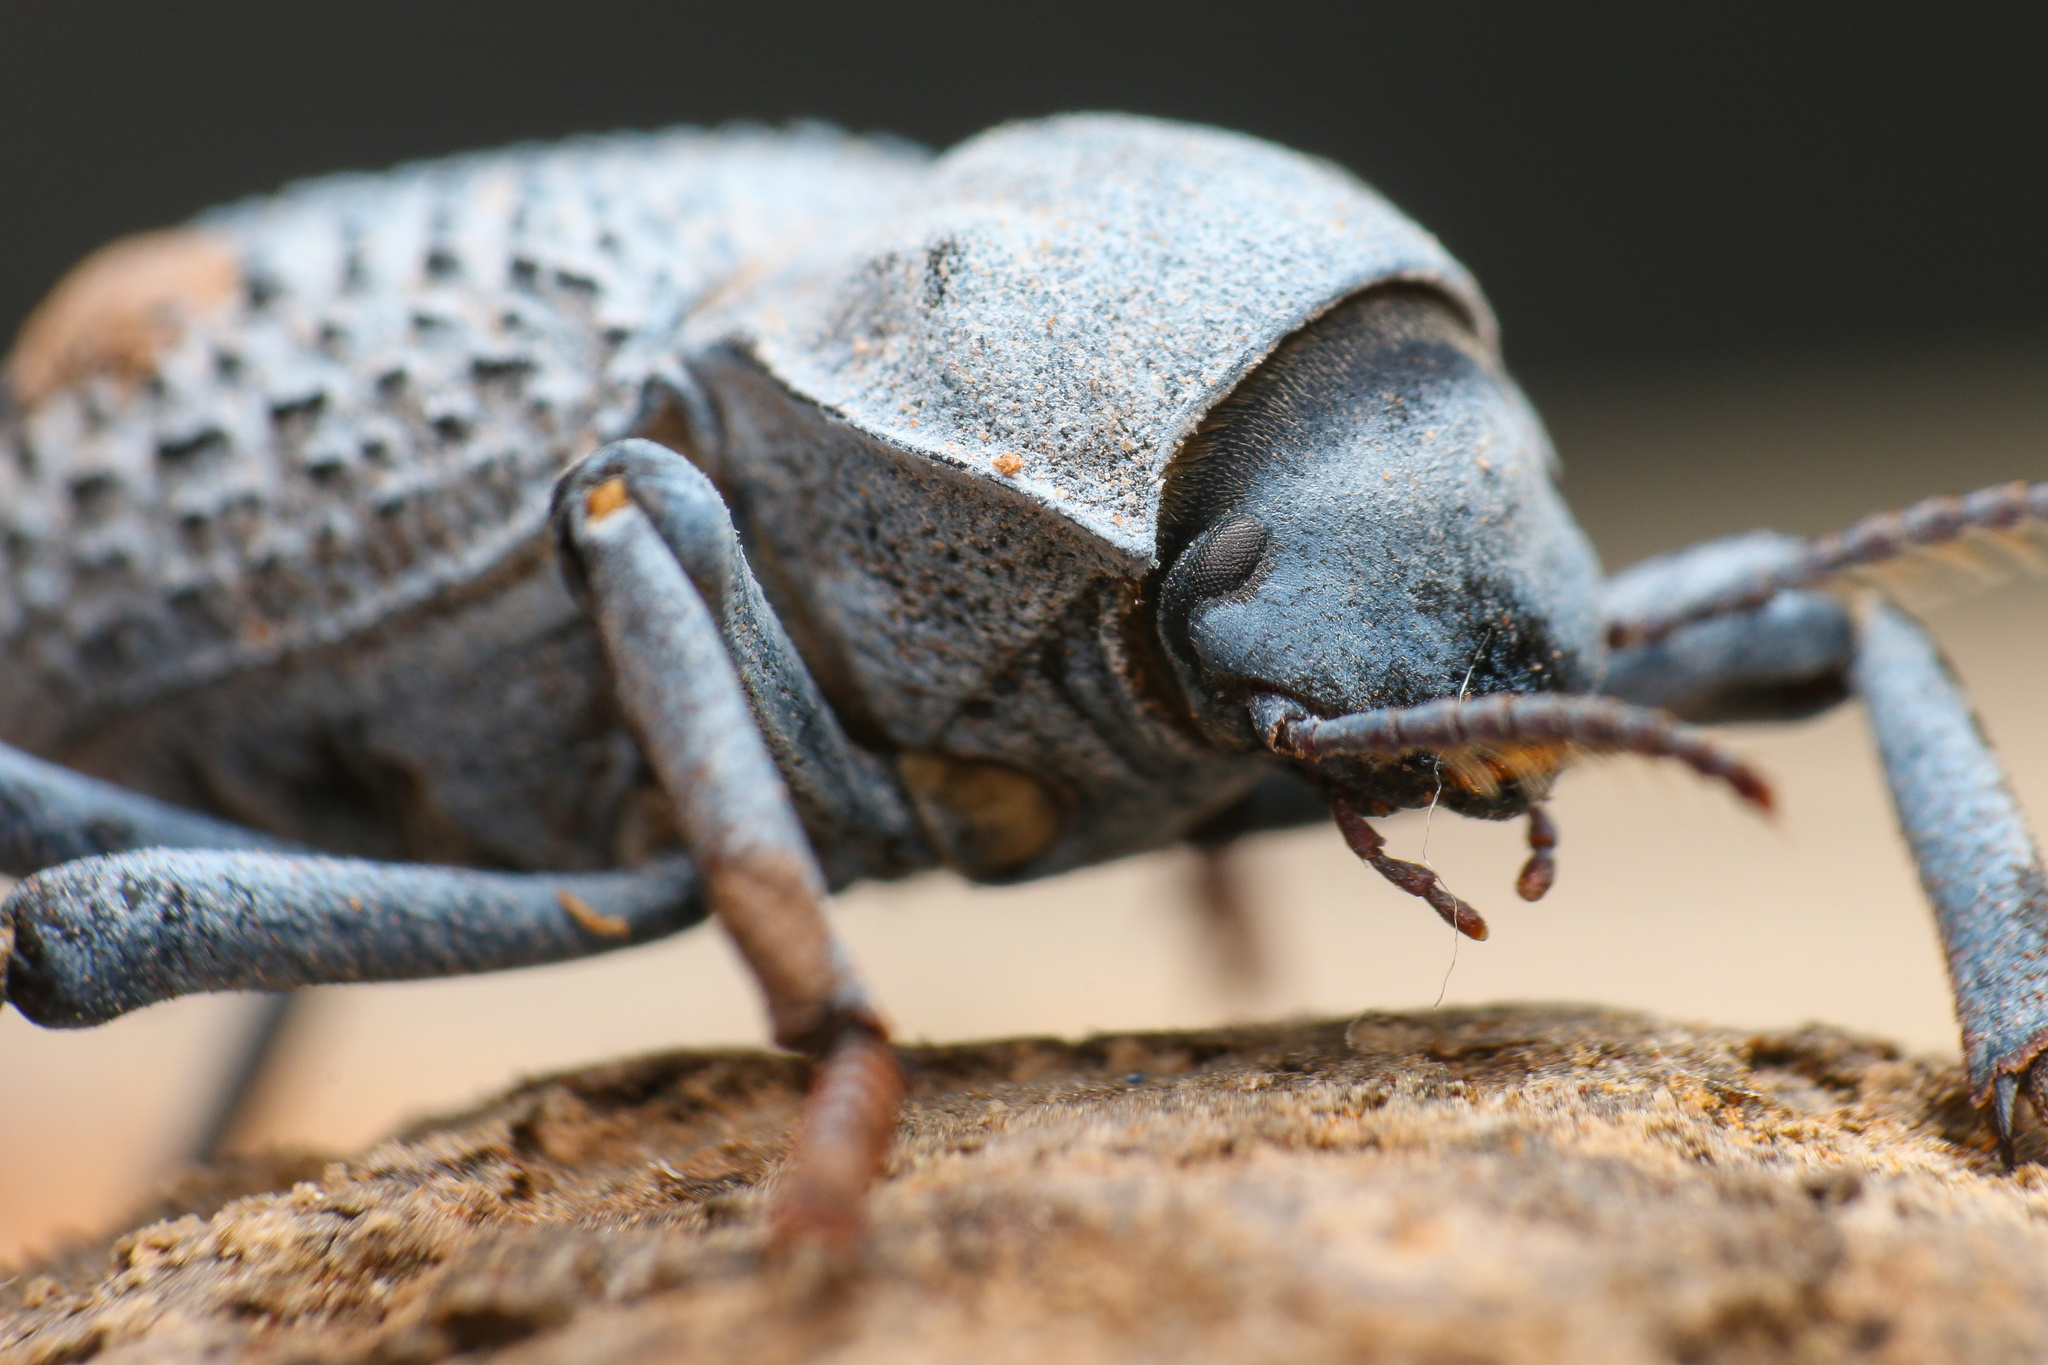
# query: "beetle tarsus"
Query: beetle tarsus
{"points": [[841, 1141], [2004, 1091], [1413, 878], [2031, 1081], [1540, 872]]}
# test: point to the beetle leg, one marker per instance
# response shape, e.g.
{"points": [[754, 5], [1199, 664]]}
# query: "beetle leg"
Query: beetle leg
{"points": [[686, 699], [1979, 865], [252, 1063], [1226, 920], [1800, 651], [1540, 872], [1745, 628], [50, 815], [848, 798], [2005, 517], [1783, 659], [96, 937], [128, 900]]}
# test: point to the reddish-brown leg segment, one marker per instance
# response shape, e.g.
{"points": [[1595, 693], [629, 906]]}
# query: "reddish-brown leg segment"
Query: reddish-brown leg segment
{"points": [[679, 689], [1540, 872], [1413, 878], [842, 1141]]}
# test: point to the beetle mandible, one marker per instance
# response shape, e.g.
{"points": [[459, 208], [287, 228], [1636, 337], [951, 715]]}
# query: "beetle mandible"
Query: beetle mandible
{"points": [[533, 553]]}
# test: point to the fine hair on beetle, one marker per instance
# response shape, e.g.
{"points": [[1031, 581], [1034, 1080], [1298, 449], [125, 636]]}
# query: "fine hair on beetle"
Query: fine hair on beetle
{"points": [[1379, 339]]}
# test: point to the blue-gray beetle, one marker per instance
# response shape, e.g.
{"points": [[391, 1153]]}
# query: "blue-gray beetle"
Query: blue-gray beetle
{"points": [[528, 554]]}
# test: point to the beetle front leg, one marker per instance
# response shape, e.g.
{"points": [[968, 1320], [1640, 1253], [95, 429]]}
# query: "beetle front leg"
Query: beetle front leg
{"points": [[1977, 861], [1694, 633], [1782, 659], [848, 798], [680, 690]]}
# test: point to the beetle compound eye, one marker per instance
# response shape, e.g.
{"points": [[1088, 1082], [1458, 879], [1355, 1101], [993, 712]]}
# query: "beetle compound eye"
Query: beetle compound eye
{"points": [[1222, 560]]}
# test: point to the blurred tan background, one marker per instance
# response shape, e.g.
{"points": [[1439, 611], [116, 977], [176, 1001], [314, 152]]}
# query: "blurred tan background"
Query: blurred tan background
{"points": [[1669, 898]]}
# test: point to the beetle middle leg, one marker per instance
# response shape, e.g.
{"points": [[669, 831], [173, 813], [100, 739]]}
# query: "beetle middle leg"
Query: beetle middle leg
{"points": [[732, 724], [127, 900], [50, 815], [1226, 919], [1741, 629]]}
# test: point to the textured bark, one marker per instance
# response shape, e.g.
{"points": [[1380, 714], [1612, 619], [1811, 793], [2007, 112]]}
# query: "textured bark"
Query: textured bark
{"points": [[1514, 1185]]}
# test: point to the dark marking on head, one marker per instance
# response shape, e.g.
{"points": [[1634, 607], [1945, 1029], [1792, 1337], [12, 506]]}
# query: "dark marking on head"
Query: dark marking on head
{"points": [[1374, 342]]}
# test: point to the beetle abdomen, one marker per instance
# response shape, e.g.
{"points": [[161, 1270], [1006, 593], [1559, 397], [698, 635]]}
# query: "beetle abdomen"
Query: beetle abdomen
{"points": [[302, 416]]}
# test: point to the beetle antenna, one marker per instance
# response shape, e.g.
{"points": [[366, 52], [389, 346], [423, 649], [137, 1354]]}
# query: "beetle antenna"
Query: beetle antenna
{"points": [[1505, 723], [2012, 512], [1541, 870], [1413, 878]]}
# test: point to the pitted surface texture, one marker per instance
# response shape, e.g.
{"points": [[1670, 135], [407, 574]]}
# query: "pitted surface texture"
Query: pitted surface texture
{"points": [[1515, 1185], [380, 412]]}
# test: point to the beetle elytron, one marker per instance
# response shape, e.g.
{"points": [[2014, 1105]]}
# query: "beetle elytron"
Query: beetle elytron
{"points": [[527, 554]]}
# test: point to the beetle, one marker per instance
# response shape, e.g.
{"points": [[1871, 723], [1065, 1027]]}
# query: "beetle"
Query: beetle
{"points": [[528, 554]]}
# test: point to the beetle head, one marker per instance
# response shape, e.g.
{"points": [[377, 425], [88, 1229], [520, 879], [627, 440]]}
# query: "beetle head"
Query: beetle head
{"points": [[1368, 521]]}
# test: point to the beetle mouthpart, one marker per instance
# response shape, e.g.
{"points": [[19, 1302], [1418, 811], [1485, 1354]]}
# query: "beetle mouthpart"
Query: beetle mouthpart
{"points": [[2011, 518], [1413, 878], [1540, 872], [1500, 730]]}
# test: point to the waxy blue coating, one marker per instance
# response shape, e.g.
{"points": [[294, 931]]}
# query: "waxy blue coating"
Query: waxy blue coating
{"points": [[98, 937], [1977, 861]]}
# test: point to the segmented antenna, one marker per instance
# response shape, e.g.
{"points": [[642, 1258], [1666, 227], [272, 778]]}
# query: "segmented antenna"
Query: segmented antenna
{"points": [[1501, 724], [2008, 515]]}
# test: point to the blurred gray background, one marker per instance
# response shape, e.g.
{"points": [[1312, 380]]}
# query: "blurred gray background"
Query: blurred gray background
{"points": [[1758, 265]]}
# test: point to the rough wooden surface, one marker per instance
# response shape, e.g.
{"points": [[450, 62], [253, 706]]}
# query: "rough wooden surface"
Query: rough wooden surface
{"points": [[1513, 1185]]}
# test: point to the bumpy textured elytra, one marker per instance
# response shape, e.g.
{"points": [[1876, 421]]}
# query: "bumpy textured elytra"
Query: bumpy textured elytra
{"points": [[532, 553]]}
